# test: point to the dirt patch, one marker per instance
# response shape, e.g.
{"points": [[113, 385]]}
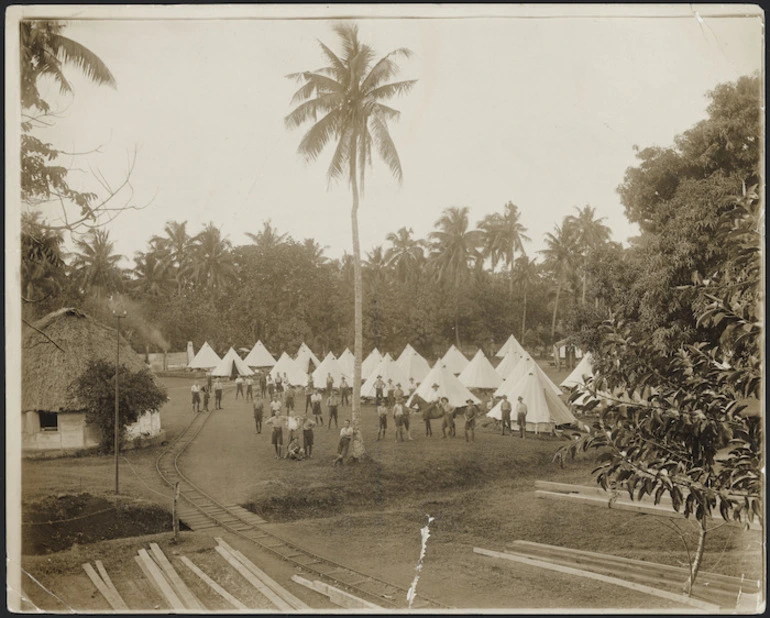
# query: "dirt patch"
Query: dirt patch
{"points": [[57, 523]]}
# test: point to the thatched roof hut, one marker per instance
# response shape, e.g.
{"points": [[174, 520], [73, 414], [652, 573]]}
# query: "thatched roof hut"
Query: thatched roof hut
{"points": [[47, 371]]}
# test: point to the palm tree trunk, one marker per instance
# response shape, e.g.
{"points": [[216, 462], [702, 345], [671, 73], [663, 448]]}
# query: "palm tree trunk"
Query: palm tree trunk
{"points": [[583, 299], [555, 310], [524, 316], [358, 345], [510, 280], [457, 320]]}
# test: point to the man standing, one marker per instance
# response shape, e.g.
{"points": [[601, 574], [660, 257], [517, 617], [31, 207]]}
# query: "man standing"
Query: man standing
{"points": [[275, 405], [315, 405], [398, 393], [432, 398], [289, 398], [238, 387], [209, 381], [270, 386], [206, 394], [412, 386], [398, 418], [344, 391], [196, 398], [249, 389], [448, 424], [391, 393], [307, 435], [259, 410], [329, 384], [218, 394], [333, 402], [262, 384], [346, 435], [278, 421], [471, 412], [379, 385], [505, 412], [521, 416], [309, 393]]}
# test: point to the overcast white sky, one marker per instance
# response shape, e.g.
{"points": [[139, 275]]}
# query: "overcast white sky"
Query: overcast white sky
{"points": [[543, 112]]}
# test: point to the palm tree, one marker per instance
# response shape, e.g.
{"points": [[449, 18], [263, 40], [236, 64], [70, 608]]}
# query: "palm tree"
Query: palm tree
{"points": [[315, 252], [153, 274], [95, 266], [268, 237], [175, 248], [348, 96], [405, 254], [212, 261], [45, 51], [504, 235], [455, 251], [524, 276], [42, 259], [589, 233], [560, 254]]}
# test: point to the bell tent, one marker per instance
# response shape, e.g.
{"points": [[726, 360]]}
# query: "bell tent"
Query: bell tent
{"points": [[294, 373], [389, 370], [347, 360], [408, 349], [413, 365], [521, 369], [232, 365], [329, 365], [479, 373], [512, 345], [370, 362], [544, 409], [506, 365], [259, 356], [454, 360], [448, 386], [584, 369], [206, 358], [304, 350]]}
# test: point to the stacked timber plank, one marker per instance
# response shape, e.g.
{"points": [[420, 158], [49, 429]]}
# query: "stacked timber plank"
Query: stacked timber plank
{"points": [[711, 591], [104, 585], [596, 496]]}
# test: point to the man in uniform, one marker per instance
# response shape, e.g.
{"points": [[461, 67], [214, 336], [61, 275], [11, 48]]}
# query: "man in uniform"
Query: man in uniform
{"points": [[505, 413], [521, 416], [471, 412]]}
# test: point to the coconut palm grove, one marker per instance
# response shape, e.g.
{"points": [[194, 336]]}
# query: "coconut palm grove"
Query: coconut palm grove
{"points": [[466, 413]]}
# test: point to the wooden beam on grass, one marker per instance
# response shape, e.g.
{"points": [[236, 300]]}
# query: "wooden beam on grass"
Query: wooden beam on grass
{"points": [[181, 588], [148, 575], [663, 594], [112, 597], [287, 596], [335, 595], [277, 601], [157, 576], [106, 577], [212, 584]]}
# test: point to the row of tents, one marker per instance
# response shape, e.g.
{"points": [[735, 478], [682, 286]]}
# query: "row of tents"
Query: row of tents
{"points": [[456, 377]]}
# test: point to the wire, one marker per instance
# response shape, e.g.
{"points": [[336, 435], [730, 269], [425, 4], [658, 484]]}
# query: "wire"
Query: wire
{"points": [[143, 481], [59, 521]]}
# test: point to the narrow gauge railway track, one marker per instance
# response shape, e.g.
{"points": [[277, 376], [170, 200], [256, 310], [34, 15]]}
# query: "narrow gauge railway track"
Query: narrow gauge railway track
{"points": [[205, 512]]}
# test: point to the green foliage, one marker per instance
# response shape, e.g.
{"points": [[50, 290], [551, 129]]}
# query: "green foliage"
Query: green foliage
{"points": [[95, 390]]}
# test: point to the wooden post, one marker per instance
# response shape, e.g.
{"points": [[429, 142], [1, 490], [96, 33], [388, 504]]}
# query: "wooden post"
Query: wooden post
{"points": [[175, 513]]}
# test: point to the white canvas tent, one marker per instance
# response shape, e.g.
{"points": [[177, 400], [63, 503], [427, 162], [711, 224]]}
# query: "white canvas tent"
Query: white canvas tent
{"points": [[387, 356], [370, 362], [448, 386], [190, 353], [206, 358], [454, 360], [408, 349], [479, 373], [329, 365], [523, 367], [389, 370], [259, 356], [544, 409], [413, 365], [304, 350], [584, 368], [511, 345], [347, 360], [231, 363], [287, 365], [510, 360]]}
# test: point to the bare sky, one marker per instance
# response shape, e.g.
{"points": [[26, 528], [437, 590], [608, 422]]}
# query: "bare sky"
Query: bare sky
{"points": [[543, 112]]}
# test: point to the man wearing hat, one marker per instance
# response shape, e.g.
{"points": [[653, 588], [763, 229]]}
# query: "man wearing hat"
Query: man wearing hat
{"points": [[448, 424], [521, 416], [505, 412], [471, 412], [379, 385], [398, 418], [398, 393], [432, 398]]}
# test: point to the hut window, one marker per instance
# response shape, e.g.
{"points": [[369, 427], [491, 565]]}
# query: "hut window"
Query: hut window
{"points": [[49, 421]]}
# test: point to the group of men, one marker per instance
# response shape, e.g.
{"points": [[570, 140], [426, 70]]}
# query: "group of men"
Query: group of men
{"points": [[505, 412], [204, 392]]}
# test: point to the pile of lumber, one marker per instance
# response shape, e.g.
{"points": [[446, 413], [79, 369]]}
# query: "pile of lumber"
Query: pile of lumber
{"points": [[711, 591], [596, 496], [104, 585], [161, 573]]}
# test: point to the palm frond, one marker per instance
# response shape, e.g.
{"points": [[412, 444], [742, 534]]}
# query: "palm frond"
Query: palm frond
{"points": [[72, 52], [385, 69], [337, 64], [386, 147], [341, 155], [390, 90], [311, 109], [387, 112], [318, 136]]}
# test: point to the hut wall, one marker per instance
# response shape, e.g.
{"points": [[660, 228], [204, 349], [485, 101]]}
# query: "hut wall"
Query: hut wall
{"points": [[70, 434], [147, 425]]}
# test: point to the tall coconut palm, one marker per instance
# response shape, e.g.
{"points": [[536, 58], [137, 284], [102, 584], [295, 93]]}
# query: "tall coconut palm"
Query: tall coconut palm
{"points": [[95, 266], [268, 237], [153, 274], [589, 233], [175, 249], [504, 235], [212, 259], [524, 276], [405, 254], [454, 253], [560, 257], [348, 95]]}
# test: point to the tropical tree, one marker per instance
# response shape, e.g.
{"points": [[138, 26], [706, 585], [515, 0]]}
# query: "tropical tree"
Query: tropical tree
{"points": [[212, 260], [153, 274], [504, 235], [560, 252], [348, 94], [94, 266], [174, 249], [42, 259], [590, 233], [454, 254], [405, 253], [524, 276], [268, 237]]}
